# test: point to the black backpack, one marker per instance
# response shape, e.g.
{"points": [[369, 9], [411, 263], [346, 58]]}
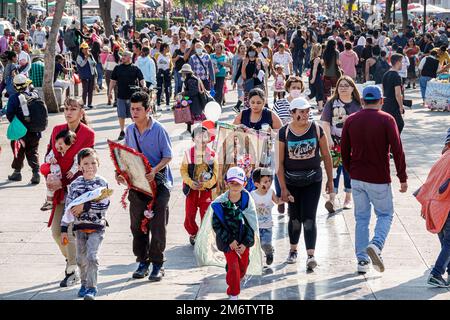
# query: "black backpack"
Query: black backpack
{"points": [[381, 67], [38, 119]]}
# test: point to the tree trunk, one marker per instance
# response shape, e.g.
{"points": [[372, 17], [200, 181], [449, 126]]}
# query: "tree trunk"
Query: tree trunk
{"points": [[23, 14], [387, 15], [105, 12], [49, 60], [404, 8]]}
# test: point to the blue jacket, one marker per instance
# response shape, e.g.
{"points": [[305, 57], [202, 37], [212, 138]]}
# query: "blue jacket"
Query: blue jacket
{"points": [[85, 69]]}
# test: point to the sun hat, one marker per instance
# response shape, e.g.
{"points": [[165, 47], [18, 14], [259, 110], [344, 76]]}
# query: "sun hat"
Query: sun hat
{"points": [[299, 103]]}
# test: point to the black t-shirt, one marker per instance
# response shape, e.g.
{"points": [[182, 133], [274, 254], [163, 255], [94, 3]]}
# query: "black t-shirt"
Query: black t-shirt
{"points": [[180, 62], [298, 46], [58, 70], [126, 76], [301, 152], [391, 79]]}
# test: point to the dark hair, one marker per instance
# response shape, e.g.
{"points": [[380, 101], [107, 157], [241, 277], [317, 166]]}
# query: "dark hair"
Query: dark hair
{"points": [[256, 92], [259, 173], [71, 101], [432, 52], [383, 53], [330, 53], [395, 58], [163, 47], [264, 39], [58, 57], [376, 50], [87, 152], [251, 48], [443, 47], [68, 136], [146, 50], [141, 97], [371, 102], [348, 45], [199, 130], [137, 45], [10, 55]]}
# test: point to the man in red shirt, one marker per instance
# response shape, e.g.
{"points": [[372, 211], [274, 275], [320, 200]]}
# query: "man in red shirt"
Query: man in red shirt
{"points": [[368, 137]]}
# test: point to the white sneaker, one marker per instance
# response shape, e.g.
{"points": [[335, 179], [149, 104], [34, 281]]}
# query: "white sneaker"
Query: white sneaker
{"points": [[234, 297], [363, 267], [375, 255], [167, 108], [348, 205], [311, 263]]}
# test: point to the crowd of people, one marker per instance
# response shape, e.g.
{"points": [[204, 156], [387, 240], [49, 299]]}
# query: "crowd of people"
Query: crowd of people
{"points": [[303, 54]]}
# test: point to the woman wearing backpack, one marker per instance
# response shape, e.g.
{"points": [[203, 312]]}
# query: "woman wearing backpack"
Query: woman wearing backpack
{"points": [[300, 176], [87, 69]]}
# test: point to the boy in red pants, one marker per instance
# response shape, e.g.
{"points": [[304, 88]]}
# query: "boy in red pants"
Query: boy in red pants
{"points": [[234, 234], [199, 173]]}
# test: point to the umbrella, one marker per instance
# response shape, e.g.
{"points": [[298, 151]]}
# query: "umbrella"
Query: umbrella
{"points": [[153, 3]]}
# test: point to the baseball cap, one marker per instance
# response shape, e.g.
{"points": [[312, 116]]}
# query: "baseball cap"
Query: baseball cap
{"points": [[372, 93], [84, 45], [236, 174], [299, 103]]}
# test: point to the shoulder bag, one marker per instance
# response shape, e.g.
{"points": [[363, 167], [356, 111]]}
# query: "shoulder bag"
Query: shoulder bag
{"points": [[303, 178]]}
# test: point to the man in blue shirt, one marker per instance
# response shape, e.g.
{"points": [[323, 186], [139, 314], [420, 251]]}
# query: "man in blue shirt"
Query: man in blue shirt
{"points": [[150, 138]]}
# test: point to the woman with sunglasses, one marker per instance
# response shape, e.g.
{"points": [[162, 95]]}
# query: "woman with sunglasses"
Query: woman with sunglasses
{"points": [[345, 101]]}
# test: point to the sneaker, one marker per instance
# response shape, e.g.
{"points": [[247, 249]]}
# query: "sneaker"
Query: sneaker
{"points": [[437, 281], [375, 255], [90, 107], [48, 205], [233, 297], [36, 178], [157, 115], [281, 208], [90, 294], [269, 259], [292, 258], [16, 176], [82, 292], [142, 271], [236, 109], [311, 263], [157, 273], [363, 267], [70, 280], [168, 108], [192, 240], [348, 205], [329, 205], [121, 136]]}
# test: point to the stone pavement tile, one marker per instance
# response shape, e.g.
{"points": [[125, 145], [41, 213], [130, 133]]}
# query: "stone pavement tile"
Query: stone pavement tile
{"points": [[21, 291]]}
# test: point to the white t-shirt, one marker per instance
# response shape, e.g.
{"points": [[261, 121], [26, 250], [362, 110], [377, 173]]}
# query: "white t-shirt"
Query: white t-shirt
{"points": [[283, 59], [405, 64], [264, 205], [163, 62]]}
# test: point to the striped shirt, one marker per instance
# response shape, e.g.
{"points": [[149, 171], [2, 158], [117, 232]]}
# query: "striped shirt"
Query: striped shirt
{"points": [[281, 108], [37, 73]]}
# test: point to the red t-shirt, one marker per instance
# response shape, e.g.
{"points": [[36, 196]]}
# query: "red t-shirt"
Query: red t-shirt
{"points": [[230, 45], [367, 138]]}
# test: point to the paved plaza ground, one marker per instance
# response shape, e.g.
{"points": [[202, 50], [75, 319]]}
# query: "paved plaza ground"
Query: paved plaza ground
{"points": [[31, 265]]}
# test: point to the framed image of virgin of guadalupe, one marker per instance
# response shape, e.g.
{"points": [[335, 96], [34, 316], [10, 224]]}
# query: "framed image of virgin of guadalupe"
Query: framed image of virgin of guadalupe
{"points": [[133, 166]]}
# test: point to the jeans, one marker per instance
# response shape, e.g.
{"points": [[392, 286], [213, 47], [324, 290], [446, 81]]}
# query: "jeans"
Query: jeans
{"points": [[163, 79], [347, 180], [277, 187], [88, 245], [178, 82], [443, 260], [307, 57], [99, 75], [218, 87], [365, 195], [297, 66], [144, 249], [88, 90], [265, 234], [423, 85]]}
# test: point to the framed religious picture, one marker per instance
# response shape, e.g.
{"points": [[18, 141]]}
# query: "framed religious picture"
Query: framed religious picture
{"points": [[133, 166], [243, 147]]}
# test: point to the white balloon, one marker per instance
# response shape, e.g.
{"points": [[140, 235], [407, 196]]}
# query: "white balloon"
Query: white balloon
{"points": [[213, 111]]}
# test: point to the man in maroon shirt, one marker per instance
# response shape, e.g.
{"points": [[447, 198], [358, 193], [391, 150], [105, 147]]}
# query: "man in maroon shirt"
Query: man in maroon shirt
{"points": [[368, 137]]}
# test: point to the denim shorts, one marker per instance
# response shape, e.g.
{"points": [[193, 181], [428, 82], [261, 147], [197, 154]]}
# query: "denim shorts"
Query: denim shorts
{"points": [[123, 108]]}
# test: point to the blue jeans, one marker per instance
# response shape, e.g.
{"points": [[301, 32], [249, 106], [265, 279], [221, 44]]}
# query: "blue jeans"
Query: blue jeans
{"points": [[297, 65], [443, 260], [265, 236], [364, 196], [347, 180], [99, 75], [307, 57], [423, 85], [178, 82]]}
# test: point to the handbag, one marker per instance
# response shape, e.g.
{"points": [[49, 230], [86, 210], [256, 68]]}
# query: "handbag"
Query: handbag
{"points": [[76, 78], [303, 178], [16, 130], [204, 95], [182, 115]]}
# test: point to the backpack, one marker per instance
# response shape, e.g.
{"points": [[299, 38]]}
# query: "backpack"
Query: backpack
{"points": [[37, 120], [69, 38], [381, 67]]}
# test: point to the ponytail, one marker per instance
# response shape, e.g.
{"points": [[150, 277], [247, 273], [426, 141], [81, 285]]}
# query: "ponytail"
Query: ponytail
{"points": [[73, 102]]}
